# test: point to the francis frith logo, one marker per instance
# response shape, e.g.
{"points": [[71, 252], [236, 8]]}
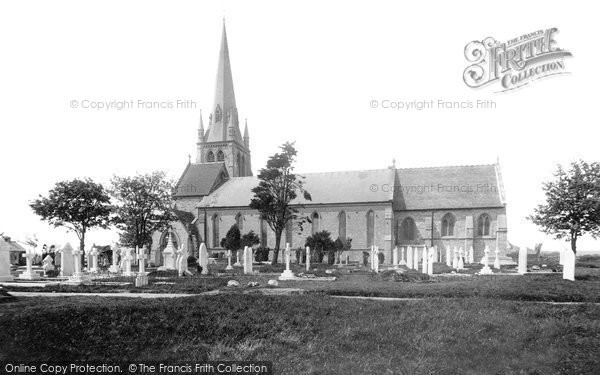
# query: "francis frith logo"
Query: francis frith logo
{"points": [[514, 63]]}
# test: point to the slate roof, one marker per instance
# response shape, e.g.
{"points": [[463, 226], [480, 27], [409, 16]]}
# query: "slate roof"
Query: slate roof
{"points": [[467, 186], [324, 188], [199, 179], [408, 189]]}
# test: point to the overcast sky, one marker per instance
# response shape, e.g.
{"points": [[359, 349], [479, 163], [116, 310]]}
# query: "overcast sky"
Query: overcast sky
{"points": [[304, 71]]}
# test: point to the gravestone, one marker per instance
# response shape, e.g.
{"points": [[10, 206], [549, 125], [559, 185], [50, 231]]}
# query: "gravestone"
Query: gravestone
{"points": [[416, 259], [126, 261], [78, 276], [248, 260], [307, 258], [238, 256], [182, 264], [29, 274], [287, 274], [376, 259], [229, 267], [47, 264], [395, 257], [425, 265], [409, 257], [497, 259], [94, 254], [461, 263], [569, 266], [114, 268], [454, 258], [432, 252], [522, 267], [169, 255], [402, 261], [67, 262], [448, 256], [486, 270], [203, 258], [5, 261], [141, 279], [471, 257]]}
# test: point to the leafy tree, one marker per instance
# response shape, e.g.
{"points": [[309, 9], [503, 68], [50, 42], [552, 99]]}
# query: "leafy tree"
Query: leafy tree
{"points": [[143, 206], [232, 240], [572, 206], [320, 243], [249, 239], [77, 205], [278, 186]]}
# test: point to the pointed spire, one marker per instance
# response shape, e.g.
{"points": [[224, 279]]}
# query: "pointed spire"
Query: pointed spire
{"points": [[246, 134], [201, 129]]}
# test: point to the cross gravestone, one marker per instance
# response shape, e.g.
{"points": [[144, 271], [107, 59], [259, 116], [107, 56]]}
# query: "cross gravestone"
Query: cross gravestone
{"points": [[448, 256], [238, 256], [29, 274], [229, 267], [114, 268], [409, 257], [486, 270], [425, 260], [5, 261], [307, 258], [402, 261], [569, 267], [287, 274], [141, 279], [78, 277], [203, 258]]}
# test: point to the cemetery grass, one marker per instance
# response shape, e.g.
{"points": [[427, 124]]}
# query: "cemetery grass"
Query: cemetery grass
{"points": [[310, 334]]}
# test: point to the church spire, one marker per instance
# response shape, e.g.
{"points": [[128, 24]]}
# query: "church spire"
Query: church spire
{"points": [[224, 95], [201, 129], [246, 135]]}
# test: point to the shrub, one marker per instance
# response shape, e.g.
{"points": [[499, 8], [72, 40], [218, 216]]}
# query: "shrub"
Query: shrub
{"points": [[262, 254], [232, 240]]}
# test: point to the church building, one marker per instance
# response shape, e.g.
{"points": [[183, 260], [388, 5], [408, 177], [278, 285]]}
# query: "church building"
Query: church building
{"points": [[452, 206]]}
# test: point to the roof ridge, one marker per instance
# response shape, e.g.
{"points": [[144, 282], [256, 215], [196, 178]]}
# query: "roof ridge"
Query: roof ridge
{"points": [[449, 166]]}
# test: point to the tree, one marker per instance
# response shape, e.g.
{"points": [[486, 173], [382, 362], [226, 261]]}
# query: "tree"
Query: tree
{"points": [[232, 239], [320, 243], [78, 205], [572, 206], [143, 206], [342, 245], [278, 186], [249, 239]]}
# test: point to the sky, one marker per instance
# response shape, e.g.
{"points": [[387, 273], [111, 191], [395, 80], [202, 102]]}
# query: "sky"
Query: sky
{"points": [[304, 71]]}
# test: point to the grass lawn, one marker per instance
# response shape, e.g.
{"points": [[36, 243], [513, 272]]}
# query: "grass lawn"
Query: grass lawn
{"points": [[312, 333]]}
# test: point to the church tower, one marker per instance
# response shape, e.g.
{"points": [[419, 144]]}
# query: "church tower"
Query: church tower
{"points": [[223, 141]]}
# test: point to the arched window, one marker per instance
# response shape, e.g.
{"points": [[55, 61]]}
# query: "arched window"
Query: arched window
{"points": [[315, 222], [448, 222], [220, 156], [239, 220], [408, 230], [215, 230], [239, 164], [370, 228], [210, 157], [483, 225], [263, 232], [342, 226]]}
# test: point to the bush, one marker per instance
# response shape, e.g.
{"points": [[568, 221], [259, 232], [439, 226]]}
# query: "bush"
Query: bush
{"points": [[262, 254], [192, 261]]}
